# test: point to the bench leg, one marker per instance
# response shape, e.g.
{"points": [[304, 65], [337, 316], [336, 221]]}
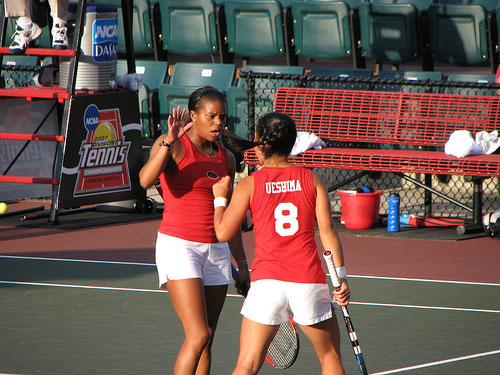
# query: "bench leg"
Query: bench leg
{"points": [[477, 209], [477, 200], [428, 196]]}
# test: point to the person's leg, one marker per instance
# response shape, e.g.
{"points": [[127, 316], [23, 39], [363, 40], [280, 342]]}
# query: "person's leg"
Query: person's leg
{"points": [[215, 297], [26, 29], [17, 8], [325, 338], [188, 300], [255, 339], [58, 12]]}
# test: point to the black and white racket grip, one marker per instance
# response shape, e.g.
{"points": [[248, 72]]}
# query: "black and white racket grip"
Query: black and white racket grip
{"points": [[328, 255]]}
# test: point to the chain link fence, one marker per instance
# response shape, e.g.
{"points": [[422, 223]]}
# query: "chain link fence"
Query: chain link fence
{"points": [[19, 75], [261, 88]]}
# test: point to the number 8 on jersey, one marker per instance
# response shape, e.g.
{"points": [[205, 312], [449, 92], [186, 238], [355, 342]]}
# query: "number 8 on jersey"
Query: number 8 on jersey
{"points": [[286, 223]]}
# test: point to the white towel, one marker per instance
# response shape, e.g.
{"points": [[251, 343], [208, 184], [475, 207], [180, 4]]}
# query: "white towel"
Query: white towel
{"points": [[461, 143], [306, 141], [486, 143]]}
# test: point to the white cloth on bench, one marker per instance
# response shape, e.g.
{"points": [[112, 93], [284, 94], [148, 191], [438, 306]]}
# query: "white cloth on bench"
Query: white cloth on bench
{"points": [[306, 141], [461, 143]]}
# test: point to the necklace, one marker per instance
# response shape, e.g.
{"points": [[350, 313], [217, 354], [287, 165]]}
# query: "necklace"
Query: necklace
{"points": [[275, 165], [209, 154]]}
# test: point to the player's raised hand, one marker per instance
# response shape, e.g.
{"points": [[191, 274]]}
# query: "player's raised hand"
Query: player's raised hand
{"points": [[175, 128]]}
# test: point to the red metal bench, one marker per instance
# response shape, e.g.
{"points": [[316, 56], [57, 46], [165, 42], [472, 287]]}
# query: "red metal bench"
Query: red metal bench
{"points": [[395, 118]]}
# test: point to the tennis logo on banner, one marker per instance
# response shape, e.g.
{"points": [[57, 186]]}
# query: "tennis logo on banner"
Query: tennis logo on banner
{"points": [[103, 164]]}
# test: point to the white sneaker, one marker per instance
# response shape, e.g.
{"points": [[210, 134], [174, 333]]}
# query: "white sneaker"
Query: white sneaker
{"points": [[23, 37], [59, 36]]}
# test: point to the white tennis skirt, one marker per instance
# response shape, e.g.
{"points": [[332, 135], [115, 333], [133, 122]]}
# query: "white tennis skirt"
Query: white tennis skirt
{"points": [[178, 259], [272, 302]]}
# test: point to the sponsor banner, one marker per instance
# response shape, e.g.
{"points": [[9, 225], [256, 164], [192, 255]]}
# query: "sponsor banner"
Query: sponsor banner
{"points": [[105, 40], [103, 154], [37, 158]]}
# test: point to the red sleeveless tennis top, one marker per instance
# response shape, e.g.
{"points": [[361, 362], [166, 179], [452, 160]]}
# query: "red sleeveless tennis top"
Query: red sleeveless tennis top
{"points": [[187, 193], [283, 211]]}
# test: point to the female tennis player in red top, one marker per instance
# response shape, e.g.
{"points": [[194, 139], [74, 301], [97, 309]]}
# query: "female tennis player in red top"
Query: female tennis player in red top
{"points": [[287, 277], [192, 264]]}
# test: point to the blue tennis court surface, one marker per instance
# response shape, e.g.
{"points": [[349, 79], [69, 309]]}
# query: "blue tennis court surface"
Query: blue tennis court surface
{"points": [[82, 317]]}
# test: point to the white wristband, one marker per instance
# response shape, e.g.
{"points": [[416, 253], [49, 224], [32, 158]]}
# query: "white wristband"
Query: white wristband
{"points": [[220, 202], [341, 273]]}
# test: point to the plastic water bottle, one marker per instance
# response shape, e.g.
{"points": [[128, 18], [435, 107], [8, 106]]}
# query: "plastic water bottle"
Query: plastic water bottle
{"points": [[393, 212]]}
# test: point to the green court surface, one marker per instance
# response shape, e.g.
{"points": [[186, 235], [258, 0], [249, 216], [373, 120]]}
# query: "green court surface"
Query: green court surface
{"points": [[82, 317]]}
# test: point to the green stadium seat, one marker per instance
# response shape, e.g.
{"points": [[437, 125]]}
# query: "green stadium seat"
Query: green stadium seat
{"points": [[353, 4], [153, 73], [409, 75], [141, 26], [473, 78], [237, 100], [287, 3], [390, 30], [255, 29], [340, 73], [189, 26], [18, 78], [220, 76], [185, 78], [170, 97], [314, 18], [458, 34]]}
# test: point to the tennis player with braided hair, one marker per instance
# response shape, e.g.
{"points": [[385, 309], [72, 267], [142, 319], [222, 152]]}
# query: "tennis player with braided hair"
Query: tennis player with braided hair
{"points": [[287, 277], [192, 264]]}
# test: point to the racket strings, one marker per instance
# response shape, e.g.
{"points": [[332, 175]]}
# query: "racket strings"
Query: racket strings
{"points": [[283, 349]]}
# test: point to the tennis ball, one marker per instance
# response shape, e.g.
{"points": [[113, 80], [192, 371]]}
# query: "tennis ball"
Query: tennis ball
{"points": [[3, 207], [104, 135]]}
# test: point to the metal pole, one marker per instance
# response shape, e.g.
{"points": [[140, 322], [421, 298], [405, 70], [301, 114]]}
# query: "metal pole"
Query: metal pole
{"points": [[418, 183]]}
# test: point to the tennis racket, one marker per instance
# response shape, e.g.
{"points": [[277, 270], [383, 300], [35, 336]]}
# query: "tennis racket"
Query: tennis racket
{"points": [[345, 312], [284, 348]]}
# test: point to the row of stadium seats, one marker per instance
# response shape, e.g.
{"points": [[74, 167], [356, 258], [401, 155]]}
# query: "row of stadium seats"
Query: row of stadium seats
{"points": [[163, 92], [456, 32]]}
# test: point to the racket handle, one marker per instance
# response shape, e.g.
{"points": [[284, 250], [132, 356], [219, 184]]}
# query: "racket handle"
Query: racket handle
{"points": [[328, 255], [234, 273], [242, 289]]}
